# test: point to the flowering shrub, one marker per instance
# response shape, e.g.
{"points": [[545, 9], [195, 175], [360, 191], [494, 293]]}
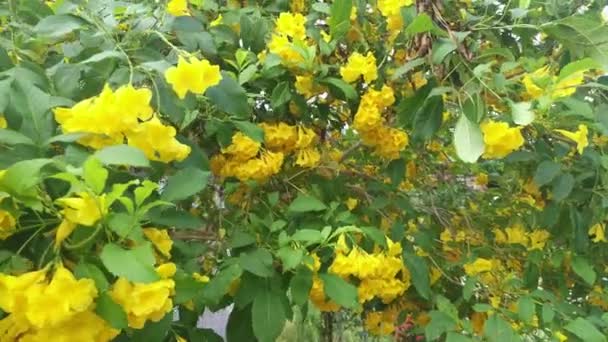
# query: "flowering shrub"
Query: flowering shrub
{"points": [[432, 169]]}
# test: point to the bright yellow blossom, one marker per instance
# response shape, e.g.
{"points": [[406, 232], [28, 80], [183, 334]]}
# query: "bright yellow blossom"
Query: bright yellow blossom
{"points": [[242, 147], [7, 224], [598, 233], [579, 137], [360, 65], [480, 265], [161, 240], [3, 123], [158, 142], [192, 75], [500, 139], [178, 7], [538, 239], [516, 234]]}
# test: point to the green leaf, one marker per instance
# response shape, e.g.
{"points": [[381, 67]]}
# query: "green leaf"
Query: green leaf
{"points": [[422, 23], [405, 68], [135, 264], [90, 271], [396, 171], [310, 236], [300, 285], [497, 330], [102, 56], [173, 217], [546, 171], [440, 324], [241, 239], [469, 288], [456, 337], [577, 66], [562, 187], [468, 140], [526, 309], [251, 130], [376, 235], [346, 90], [219, 284], [522, 113], [95, 175], [445, 305], [474, 108], [548, 313], [66, 138], [10, 137], [239, 326], [185, 183], [124, 225], [23, 175], [305, 203], [55, 26], [585, 330], [143, 191], [122, 155], [339, 21], [228, 96], [441, 48], [584, 269], [111, 311], [290, 257], [268, 315], [428, 119], [258, 262], [419, 271], [340, 291], [33, 105], [186, 287], [281, 94]]}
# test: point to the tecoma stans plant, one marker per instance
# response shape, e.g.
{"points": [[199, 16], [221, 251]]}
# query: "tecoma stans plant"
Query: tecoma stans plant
{"points": [[408, 170]]}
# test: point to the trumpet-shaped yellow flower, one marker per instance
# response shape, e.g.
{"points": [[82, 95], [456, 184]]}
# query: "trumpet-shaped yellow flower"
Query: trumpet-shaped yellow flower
{"points": [[158, 142], [161, 240], [579, 137], [291, 25], [178, 8], [143, 302], [308, 157], [516, 234], [7, 224], [480, 265], [242, 147], [392, 7], [538, 239], [359, 65], [192, 75], [500, 139], [598, 233], [84, 209]]}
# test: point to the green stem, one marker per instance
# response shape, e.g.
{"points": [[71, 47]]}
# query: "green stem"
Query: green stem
{"points": [[30, 239], [85, 241]]}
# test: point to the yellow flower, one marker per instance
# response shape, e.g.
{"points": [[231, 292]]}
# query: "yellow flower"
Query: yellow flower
{"points": [[279, 137], [3, 123], [166, 270], [217, 21], [560, 336], [326, 36], [291, 25], [66, 296], [7, 224], [161, 240], [158, 142], [392, 7], [65, 228], [359, 65], [143, 302], [306, 137], [580, 137], [516, 235], [178, 7], [13, 289], [500, 140], [305, 85], [351, 203], [180, 339], [480, 265], [538, 239], [536, 82], [85, 209], [242, 147], [193, 76], [308, 157], [481, 179], [598, 233], [200, 278]]}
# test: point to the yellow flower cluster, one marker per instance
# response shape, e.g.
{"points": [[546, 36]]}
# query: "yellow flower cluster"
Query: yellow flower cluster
{"points": [[7, 224], [192, 75], [516, 234], [178, 8], [317, 293], [83, 210], [286, 139], [359, 65], [381, 322], [111, 116], [160, 239], [240, 160], [146, 302], [579, 137], [290, 29], [391, 10], [369, 123], [480, 265], [61, 309], [378, 273], [500, 139], [540, 83]]}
